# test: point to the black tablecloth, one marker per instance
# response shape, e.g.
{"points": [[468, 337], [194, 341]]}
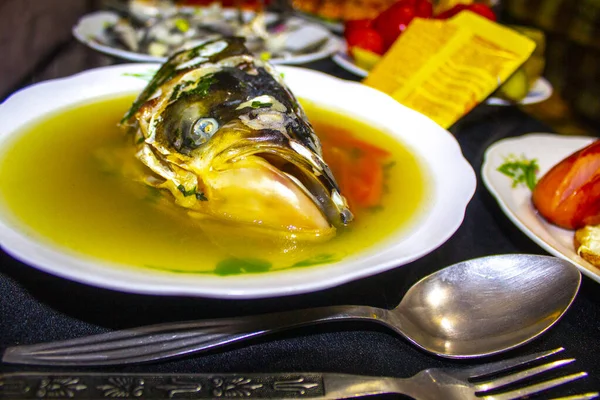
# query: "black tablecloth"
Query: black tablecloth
{"points": [[35, 306]]}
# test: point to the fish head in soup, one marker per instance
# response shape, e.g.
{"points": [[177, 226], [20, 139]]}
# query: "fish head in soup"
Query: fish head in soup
{"points": [[220, 130]]}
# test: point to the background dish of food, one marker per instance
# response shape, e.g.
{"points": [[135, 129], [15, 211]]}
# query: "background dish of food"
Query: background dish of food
{"points": [[305, 43], [333, 11], [333, 26], [548, 150], [449, 175], [541, 90]]}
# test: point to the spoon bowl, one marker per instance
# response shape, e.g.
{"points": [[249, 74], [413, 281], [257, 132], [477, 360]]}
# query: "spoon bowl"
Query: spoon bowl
{"points": [[486, 305], [470, 309]]}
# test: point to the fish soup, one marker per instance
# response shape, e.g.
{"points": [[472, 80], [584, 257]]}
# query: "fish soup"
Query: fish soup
{"points": [[69, 180]]}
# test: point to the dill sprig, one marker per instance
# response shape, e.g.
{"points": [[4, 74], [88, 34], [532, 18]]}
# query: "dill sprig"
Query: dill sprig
{"points": [[521, 170]]}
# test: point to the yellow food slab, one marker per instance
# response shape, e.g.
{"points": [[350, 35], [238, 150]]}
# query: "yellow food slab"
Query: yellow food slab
{"points": [[444, 68]]}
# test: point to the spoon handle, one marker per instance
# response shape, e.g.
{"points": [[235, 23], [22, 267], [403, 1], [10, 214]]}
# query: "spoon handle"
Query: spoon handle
{"points": [[156, 342]]}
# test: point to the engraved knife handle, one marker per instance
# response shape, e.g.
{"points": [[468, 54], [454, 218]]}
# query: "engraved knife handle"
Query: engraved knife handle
{"points": [[156, 342], [104, 385]]}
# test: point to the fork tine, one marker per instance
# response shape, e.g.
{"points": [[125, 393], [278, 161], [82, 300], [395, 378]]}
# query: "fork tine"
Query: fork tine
{"points": [[519, 393], [499, 366], [517, 376], [583, 396]]}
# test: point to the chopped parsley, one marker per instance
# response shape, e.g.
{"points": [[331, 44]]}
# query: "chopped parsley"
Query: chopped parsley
{"points": [[521, 170], [318, 259], [203, 86], [236, 266], [178, 88], [200, 196], [185, 192], [142, 75], [258, 104], [192, 192]]}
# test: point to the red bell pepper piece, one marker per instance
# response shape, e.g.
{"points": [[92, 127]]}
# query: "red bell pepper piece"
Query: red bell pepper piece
{"points": [[365, 38], [394, 20], [477, 8]]}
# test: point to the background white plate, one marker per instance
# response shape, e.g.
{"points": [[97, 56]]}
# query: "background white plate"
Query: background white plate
{"points": [[451, 186], [333, 26], [90, 30], [548, 149], [540, 91]]}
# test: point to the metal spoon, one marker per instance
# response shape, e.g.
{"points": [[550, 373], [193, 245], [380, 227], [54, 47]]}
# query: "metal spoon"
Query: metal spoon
{"points": [[470, 309]]}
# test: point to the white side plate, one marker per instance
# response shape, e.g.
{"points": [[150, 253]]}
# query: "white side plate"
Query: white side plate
{"points": [[548, 149]]}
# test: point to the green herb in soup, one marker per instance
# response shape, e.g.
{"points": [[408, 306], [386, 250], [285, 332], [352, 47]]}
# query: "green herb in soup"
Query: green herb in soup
{"points": [[71, 179]]}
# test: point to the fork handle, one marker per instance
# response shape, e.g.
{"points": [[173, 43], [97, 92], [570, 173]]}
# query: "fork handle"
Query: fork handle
{"points": [[96, 386], [156, 342]]}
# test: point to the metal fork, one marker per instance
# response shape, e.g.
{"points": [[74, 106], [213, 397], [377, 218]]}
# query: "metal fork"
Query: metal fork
{"points": [[430, 384]]}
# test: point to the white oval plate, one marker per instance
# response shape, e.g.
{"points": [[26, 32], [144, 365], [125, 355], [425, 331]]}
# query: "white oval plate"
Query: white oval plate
{"points": [[548, 149], [540, 91], [452, 184], [89, 30]]}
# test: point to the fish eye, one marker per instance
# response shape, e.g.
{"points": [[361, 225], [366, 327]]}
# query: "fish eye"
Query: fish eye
{"points": [[203, 129]]}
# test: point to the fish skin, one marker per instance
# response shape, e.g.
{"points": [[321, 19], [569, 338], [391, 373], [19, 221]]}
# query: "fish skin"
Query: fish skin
{"points": [[220, 81]]}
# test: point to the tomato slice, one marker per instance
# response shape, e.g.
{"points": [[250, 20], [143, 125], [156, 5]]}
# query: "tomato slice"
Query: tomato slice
{"points": [[367, 185], [358, 168], [569, 194]]}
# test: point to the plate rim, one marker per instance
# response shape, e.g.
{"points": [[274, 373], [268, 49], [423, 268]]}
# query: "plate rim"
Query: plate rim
{"points": [[333, 45], [323, 277], [486, 176], [333, 26]]}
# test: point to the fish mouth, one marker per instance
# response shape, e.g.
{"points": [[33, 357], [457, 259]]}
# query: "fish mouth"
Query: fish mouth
{"points": [[276, 188], [316, 184]]}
